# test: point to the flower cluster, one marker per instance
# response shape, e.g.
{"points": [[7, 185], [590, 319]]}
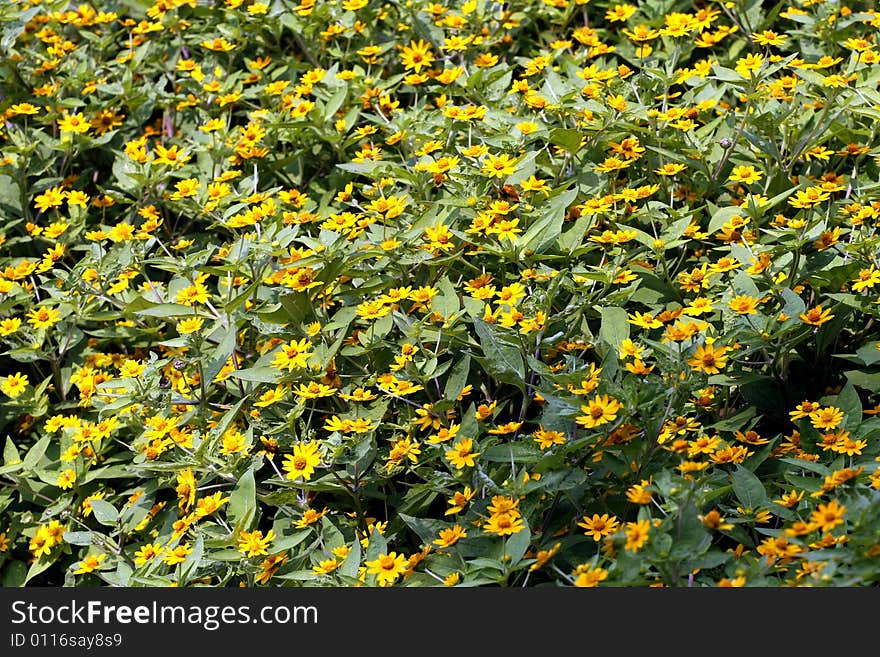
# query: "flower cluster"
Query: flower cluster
{"points": [[364, 293]]}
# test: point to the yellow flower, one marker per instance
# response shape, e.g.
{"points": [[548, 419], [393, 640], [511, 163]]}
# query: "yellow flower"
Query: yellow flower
{"points": [[309, 517], [325, 567], [748, 65], [462, 455], [185, 189], [177, 555], [66, 479], [598, 526], [219, 44], [644, 320], [588, 577], [828, 516], [9, 325], [252, 544], [533, 184], [302, 462], [387, 567], [14, 384], [43, 317], [745, 174], [598, 411], [292, 355], [208, 505], [637, 534], [499, 166], [546, 439], [637, 493], [76, 123], [743, 304], [272, 396], [867, 279], [416, 55], [459, 501], [714, 520], [769, 38], [121, 232], [89, 564], [670, 169], [450, 536], [172, 156], [147, 553], [452, 579], [709, 359], [816, 316], [77, 198], [828, 417], [234, 441], [620, 13], [503, 524], [26, 109], [51, 198], [190, 325]]}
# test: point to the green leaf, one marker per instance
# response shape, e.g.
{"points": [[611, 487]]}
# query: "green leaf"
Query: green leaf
{"points": [[257, 374], [35, 453], [288, 542], [10, 452], [748, 488], [614, 328], [571, 239], [14, 29], [517, 544], [78, 538], [868, 380], [350, 566], [503, 357], [869, 353], [849, 402], [193, 559], [512, 453], [242, 509], [566, 138], [794, 305], [377, 545], [298, 308], [427, 529], [104, 512], [546, 229], [458, 377], [165, 310], [221, 354], [446, 302], [722, 215], [38, 567], [335, 103]]}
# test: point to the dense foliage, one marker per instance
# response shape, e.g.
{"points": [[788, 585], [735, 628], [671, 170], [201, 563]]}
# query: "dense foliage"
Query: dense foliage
{"points": [[352, 292]]}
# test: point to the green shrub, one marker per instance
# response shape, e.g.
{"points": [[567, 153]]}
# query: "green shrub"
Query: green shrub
{"points": [[359, 293]]}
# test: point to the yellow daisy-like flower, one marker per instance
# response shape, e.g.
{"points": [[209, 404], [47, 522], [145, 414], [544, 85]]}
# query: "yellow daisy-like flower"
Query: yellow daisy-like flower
{"points": [[76, 123], [462, 455], [292, 355], [417, 55], [387, 567], [14, 384], [499, 166], [302, 463], [43, 317], [66, 479], [598, 411], [90, 564], [190, 325]]}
